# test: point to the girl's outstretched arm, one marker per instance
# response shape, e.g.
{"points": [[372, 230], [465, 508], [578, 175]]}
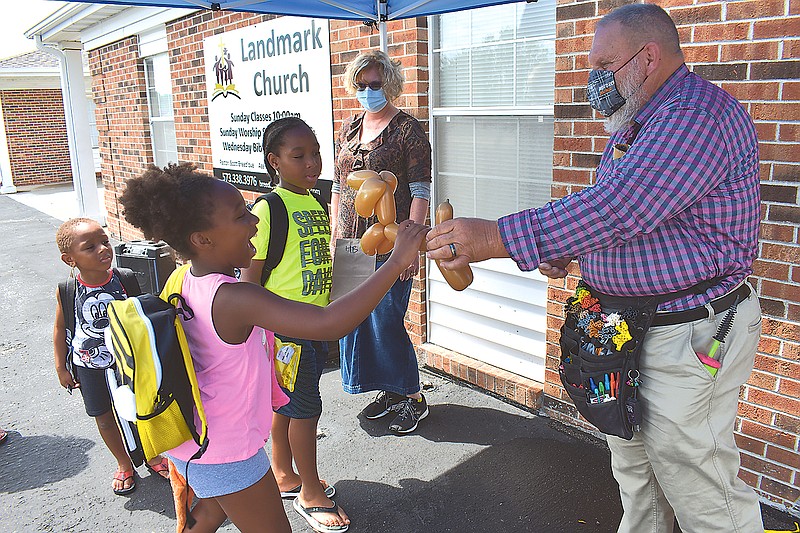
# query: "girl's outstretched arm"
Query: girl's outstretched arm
{"points": [[239, 306]]}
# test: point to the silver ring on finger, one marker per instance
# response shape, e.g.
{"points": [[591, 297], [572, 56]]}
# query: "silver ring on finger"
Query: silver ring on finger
{"points": [[453, 250]]}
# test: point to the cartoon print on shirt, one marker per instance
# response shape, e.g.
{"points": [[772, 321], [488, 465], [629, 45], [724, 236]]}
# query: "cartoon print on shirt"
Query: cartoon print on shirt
{"points": [[93, 307], [91, 349]]}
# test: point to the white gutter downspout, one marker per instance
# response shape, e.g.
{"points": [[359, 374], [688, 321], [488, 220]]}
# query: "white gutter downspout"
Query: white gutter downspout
{"points": [[76, 113], [5, 159]]}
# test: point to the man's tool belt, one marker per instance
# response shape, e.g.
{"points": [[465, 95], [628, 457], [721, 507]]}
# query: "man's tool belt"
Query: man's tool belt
{"points": [[601, 342], [720, 305]]}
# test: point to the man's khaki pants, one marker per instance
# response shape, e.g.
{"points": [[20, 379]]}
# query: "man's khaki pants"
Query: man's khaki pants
{"points": [[684, 461]]}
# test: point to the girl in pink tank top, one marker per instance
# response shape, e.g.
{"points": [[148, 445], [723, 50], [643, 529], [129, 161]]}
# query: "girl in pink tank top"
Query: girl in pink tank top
{"points": [[206, 220]]}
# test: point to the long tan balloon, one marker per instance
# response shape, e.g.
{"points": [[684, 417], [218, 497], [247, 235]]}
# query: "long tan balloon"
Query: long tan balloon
{"points": [[461, 278], [385, 209]]}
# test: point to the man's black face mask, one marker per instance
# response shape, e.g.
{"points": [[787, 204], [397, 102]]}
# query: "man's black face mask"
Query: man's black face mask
{"points": [[602, 92]]}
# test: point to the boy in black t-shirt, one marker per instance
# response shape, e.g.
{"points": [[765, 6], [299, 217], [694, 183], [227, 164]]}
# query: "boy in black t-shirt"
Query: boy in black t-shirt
{"points": [[85, 247]]}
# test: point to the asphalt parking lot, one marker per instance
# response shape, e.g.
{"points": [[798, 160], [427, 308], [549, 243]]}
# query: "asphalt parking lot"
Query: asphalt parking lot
{"points": [[475, 464]]}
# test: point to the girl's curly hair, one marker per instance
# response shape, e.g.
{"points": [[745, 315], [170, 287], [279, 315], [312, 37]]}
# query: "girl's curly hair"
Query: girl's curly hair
{"points": [[170, 204]]}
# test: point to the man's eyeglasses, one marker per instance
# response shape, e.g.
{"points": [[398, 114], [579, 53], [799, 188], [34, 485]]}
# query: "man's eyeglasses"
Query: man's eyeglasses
{"points": [[374, 85]]}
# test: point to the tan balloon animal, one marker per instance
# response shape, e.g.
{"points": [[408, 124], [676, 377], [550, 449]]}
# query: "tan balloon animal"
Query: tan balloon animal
{"points": [[376, 197]]}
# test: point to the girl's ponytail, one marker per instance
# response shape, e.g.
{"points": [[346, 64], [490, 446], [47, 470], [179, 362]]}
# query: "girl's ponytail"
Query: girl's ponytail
{"points": [[170, 204]]}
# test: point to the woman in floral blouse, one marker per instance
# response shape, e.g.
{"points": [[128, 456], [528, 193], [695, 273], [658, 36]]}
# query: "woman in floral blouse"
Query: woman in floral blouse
{"points": [[378, 355]]}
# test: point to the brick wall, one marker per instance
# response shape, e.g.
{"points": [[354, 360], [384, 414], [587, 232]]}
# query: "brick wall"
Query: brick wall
{"points": [[119, 90], [37, 136], [752, 50]]}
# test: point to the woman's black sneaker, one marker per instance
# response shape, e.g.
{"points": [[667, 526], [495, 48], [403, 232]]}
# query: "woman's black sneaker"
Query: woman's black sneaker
{"points": [[384, 403], [409, 413]]}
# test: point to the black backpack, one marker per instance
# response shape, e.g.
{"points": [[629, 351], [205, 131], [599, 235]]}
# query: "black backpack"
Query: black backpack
{"points": [[278, 229]]}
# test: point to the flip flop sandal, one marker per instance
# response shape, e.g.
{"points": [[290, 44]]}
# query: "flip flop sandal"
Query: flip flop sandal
{"points": [[316, 525], [293, 493], [124, 476], [3, 435], [161, 469]]}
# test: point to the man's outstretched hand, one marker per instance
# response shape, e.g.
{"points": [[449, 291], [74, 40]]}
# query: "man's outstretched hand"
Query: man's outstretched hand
{"points": [[472, 240]]}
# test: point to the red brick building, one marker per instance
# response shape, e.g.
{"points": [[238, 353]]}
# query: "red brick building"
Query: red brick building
{"points": [[456, 65], [33, 120]]}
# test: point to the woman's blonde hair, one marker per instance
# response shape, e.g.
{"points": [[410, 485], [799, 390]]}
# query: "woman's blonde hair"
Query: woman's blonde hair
{"points": [[390, 69]]}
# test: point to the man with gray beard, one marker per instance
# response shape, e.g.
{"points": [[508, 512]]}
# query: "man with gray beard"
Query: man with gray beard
{"points": [[674, 218], [630, 87]]}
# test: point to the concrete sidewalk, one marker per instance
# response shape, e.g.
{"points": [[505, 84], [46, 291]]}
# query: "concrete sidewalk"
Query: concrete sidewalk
{"points": [[58, 201], [476, 463]]}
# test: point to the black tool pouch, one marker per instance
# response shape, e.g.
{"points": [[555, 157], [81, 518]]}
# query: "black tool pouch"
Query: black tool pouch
{"points": [[601, 342], [600, 358]]}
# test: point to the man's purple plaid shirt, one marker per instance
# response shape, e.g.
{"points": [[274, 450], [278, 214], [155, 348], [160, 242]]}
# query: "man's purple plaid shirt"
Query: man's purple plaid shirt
{"points": [[681, 206]]}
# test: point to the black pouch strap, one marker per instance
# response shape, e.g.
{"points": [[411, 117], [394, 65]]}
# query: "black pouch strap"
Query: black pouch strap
{"points": [[623, 302], [66, 294], [129, 281]]}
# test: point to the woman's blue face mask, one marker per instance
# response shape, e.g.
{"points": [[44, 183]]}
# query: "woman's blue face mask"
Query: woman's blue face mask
{"points": [[372, 100], [602, 92]]}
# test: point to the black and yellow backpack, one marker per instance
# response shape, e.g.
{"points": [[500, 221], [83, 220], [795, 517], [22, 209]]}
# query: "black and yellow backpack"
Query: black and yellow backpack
{"points": [[157, 381]]}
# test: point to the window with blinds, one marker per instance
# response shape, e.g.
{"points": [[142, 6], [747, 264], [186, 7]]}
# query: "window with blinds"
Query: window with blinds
{"points": [[94, 134], [492, 84], [159, 103]]}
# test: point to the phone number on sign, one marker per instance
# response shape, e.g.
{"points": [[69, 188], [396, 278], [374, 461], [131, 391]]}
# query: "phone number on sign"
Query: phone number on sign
{"points": [[235, 178]]}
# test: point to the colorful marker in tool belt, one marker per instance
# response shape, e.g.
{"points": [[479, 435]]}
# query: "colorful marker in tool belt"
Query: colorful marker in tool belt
{"points": [[711, 363], [602, 390]]}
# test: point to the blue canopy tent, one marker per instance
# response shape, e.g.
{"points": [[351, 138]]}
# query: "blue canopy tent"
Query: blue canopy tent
{"points": [[376, 11]]}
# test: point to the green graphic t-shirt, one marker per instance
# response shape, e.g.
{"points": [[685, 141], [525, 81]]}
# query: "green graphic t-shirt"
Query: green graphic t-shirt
{"points": [[304, 273]]}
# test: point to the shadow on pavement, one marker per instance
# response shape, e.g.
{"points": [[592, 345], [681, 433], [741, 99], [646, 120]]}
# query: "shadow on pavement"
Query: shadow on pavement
{"points": [[34, 462], [545, 491], [465, 424], [153, 493], [535, 495]]}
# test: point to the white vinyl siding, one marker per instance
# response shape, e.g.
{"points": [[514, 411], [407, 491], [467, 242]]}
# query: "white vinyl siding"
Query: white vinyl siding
{"points": [[492, 81]]}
